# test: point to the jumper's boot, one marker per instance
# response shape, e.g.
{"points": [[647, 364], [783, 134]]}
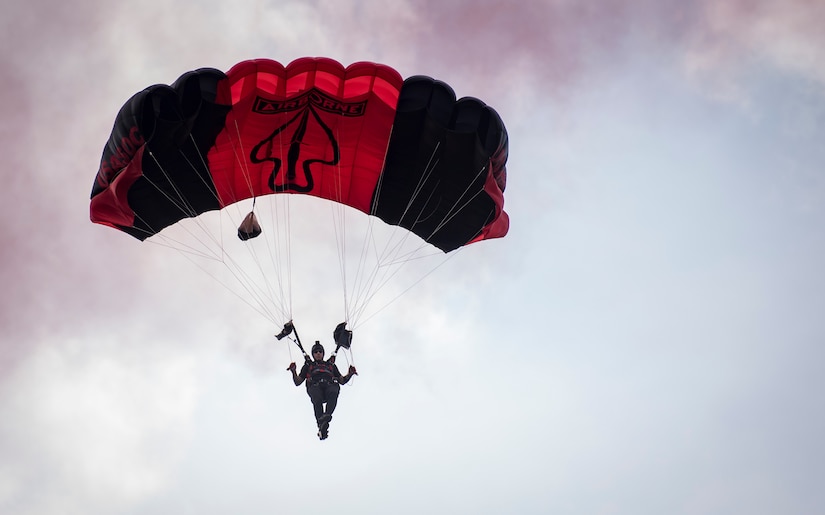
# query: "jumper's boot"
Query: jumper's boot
{"points": [[323, 426]]}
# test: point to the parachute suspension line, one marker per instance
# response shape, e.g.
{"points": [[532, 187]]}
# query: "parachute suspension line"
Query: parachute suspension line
{"points": [[207, 186], [428, 170], [389, 260], [352, 287], [363, 278], [241, 275], [282, 239], [339, 225], [203, 181], [206, 253], [338, 213], [363, 273], [389, 255], [257, 307], [453, 211], [183, 206], [384, 269], [247, 176], [287, 237], [280, 254], [289, 349], [350, 361], [264, 298], [188, 255], [279, 247], [276, 299], [187, 210], [214, 195], [448, 257], [181, 203]]}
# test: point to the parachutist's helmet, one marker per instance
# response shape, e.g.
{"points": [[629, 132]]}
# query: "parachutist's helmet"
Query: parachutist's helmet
{"points": [[317, 347]]}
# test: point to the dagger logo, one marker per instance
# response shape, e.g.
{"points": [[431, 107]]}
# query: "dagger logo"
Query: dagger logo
{"points": [[304, 124]]}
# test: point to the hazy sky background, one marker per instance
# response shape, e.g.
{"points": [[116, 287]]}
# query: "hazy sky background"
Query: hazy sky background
{"points": [[648, 338]]}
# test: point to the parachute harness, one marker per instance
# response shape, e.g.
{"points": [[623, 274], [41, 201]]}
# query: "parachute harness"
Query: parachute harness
{"points": [[341, 335]]}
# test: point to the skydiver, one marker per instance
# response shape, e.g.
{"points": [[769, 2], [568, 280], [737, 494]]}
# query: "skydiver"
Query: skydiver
{"points": [[323, 379]]}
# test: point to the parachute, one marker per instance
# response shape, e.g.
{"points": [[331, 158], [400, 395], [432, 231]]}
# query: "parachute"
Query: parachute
{"points": [[405, 151]]}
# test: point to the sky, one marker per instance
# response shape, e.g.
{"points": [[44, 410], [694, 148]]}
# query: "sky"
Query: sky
{"points": [[647, 339]]}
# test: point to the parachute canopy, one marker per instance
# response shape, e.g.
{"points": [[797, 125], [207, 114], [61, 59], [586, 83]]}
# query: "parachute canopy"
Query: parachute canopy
{"points": [[405, 151]]}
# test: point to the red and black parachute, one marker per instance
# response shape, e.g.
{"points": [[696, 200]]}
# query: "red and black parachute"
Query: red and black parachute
{"points": [[405, 151]]}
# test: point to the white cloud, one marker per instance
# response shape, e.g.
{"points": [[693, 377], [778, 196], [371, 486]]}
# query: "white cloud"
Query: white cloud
{"points": [[91, 426]]}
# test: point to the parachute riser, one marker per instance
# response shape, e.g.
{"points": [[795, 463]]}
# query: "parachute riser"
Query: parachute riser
{"points": [[289, 328], [332, 356], [341, 335]]}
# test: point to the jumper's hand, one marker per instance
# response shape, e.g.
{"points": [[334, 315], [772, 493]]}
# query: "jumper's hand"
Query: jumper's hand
{"points": [[291, 367], [352, 371]]}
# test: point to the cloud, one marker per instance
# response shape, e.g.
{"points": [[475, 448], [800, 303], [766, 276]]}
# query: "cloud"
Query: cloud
{"points": [[499, 49], [92, 425], [103, 338], [734, 39]]}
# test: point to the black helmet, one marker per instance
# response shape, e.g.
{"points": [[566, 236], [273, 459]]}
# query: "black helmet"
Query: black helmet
{"points": [[317, 346]]}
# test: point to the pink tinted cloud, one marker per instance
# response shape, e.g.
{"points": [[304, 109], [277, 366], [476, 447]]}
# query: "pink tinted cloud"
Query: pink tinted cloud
{"points": [[557, 45], [45, 284], [736, 35], [553, 42]]}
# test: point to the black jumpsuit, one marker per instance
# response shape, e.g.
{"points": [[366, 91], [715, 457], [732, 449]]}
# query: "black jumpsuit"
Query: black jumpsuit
{"points": [[322, 379]]}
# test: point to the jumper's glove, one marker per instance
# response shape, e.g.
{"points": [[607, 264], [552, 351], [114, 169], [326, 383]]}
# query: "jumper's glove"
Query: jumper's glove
{"points": [[291, 367], [352, 371]]}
